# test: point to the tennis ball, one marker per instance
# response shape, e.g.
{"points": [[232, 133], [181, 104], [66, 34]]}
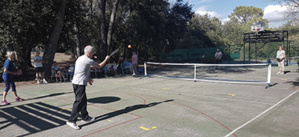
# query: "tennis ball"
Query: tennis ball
{"points": [[129, 46]]}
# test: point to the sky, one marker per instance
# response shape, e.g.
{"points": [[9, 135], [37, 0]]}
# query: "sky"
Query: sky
{"points": [[273, 11]]}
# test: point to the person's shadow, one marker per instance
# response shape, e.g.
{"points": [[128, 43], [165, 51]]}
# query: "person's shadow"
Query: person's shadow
{"points": [[104, 100], [124, 111]]}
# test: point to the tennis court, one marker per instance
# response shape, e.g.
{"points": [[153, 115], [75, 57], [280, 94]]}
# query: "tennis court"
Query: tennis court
{"points": [[161, 107]]}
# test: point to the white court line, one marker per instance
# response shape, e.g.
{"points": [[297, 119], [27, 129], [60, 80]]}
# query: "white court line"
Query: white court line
{"points": [[235, 130], [205, 65]]}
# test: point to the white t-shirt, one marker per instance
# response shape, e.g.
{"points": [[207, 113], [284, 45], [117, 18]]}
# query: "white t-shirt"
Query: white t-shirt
{"points": [[37, 64], [218, 55], [280, 54], [82, 70]]}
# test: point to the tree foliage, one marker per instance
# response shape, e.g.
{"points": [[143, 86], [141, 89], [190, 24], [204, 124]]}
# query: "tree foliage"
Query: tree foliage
{"points": [[24, 25], [243, 14], [152, 27]]}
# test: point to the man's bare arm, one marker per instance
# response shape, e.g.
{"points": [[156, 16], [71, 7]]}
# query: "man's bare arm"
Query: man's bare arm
{"points": [[10, 72], [102, 64]]}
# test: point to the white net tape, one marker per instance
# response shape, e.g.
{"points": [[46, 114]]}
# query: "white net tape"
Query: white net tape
{"points": [[200, 69]]}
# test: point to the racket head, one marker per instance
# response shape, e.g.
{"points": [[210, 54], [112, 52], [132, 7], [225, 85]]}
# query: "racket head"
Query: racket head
{"points": [[113, 52]]}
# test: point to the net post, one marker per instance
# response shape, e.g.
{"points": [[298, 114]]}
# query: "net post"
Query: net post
{"points": [[194, 73], [145, 72], [269, 76]]}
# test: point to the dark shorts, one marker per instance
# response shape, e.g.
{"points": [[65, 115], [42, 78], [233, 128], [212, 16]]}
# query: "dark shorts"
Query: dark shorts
{"points": [[218, 61], [39, 69]]}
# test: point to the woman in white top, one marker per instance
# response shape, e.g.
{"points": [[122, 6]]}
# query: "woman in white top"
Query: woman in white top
{"points": [[280, 56]]}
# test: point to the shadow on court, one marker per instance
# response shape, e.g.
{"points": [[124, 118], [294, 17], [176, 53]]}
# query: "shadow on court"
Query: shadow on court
{"points": [[273, 84], [103, 100], [45, 96], [294, 83], [50, 95], [33, 118], [124, 111], [286, 72]]}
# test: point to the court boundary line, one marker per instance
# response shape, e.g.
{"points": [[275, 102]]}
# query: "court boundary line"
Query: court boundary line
{"points": [[256, 117], [186, 106], [194, 109]]}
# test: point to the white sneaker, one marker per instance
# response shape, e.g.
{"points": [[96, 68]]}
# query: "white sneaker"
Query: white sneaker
{"points": [[44, 81], [73, 125], [278, 73], [89, 119], [38, 81]]}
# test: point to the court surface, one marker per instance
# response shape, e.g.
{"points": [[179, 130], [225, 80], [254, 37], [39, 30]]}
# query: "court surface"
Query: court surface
{"points": [[159, 107]]}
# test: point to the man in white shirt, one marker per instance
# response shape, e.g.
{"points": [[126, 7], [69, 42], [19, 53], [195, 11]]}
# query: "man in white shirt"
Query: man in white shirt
{"points": [[218, 57], [39, 67], [80, 80]]}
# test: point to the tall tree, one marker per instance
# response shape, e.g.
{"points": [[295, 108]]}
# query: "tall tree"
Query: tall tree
{"points": [[51, 47], [111, 23], [23, 26], [156, 27], [101, 52], [203, 31], [239, 23], [243, 14]]}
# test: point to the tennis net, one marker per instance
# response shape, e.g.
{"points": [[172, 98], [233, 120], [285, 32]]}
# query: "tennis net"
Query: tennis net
{"points": [[225, 73]]}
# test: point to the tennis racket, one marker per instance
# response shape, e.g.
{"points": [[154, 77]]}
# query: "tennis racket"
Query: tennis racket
{"points": [[113, 52]]}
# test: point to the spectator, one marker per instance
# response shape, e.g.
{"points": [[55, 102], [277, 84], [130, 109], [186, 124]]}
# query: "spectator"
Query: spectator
{"points": [[118, 67], [126, 64], [134, 63], [56, 71], [39, 67], [112, 69], [68, 71]]}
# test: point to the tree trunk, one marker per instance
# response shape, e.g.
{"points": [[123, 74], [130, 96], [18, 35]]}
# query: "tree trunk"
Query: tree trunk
{"points": [[51, 47], [78, 49], [102, 52], [28, 58], [110, 29]]}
